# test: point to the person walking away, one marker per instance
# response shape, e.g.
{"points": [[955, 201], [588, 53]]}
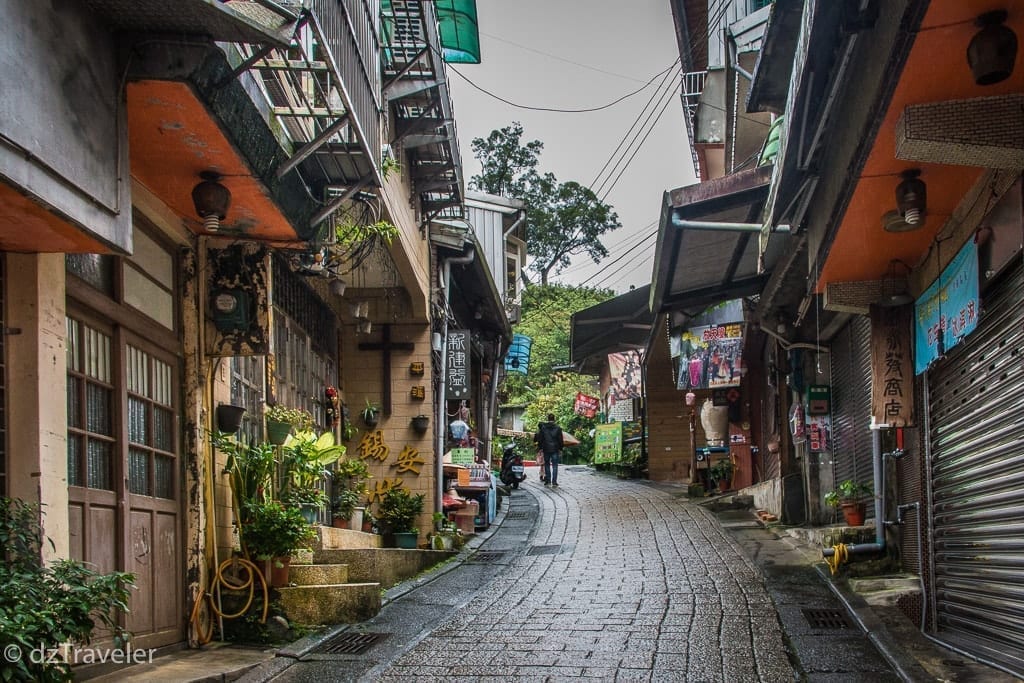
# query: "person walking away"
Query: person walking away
{"points": [[549, 439]]}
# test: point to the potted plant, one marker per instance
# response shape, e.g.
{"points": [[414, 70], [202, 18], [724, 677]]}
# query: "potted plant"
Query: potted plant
{"points": [[343, 508], [721, 473], [398, 511], [305, 459], [250, 468], [446, 535], [369, 414], [229, 418], [847, 496], [282, 420], [273, 531], [421, 423], [350, 477]]}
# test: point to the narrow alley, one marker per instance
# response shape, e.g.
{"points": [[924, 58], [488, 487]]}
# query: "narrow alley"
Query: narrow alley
{"points": [[600, 578]]}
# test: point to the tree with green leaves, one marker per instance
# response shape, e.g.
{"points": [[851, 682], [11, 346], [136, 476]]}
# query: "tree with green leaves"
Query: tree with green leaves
{"points": [[563, 219]]}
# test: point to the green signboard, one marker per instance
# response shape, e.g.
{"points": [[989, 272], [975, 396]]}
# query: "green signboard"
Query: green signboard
{"points": [[462, 456], [608, 443]]}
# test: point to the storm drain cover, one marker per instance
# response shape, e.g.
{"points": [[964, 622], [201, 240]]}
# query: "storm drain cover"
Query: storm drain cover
{"points": [[488, 555], [544, 550], [517, 514], [352, 643], [826, 618]]}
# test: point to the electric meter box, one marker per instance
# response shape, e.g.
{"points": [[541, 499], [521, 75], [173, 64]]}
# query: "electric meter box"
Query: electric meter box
{"points": [[819, 399]]}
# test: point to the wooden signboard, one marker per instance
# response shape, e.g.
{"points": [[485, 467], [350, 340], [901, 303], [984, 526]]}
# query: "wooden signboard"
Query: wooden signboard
{"points": [[892, 366]]}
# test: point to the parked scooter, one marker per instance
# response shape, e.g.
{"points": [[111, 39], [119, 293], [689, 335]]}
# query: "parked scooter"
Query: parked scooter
{"points": [[512, 471]]}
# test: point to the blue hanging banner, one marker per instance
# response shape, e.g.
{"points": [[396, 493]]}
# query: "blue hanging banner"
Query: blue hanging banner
{"points": [[948, 310], [518, 357]]}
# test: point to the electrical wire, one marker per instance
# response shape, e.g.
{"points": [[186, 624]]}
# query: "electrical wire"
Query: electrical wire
{"points": [[554, 109], [561, 59]]}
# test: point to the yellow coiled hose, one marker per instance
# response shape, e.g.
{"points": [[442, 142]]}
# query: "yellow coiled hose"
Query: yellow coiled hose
{"points": [[840, 554], [203, 634]]}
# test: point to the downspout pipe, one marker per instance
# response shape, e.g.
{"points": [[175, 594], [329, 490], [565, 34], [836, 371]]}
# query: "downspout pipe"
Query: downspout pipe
{"points": [[879, 483], [442, 425], [512, 228]]}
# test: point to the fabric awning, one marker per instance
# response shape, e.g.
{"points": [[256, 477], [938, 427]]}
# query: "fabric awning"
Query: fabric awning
{"points": [[708, 243]]}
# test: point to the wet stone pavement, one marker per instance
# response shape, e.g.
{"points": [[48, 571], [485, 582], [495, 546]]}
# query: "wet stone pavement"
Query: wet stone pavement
{"points": [[600, 578]]}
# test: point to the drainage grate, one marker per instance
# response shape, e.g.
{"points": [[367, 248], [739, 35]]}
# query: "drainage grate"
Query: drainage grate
{"points": [[352, 643], [488, 556], [518, 514], [826, 618], [544, 550], [578, 469]]}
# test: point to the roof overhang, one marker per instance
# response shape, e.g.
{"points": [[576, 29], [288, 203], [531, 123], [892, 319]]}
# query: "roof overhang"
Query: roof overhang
{"points": [[775, 60], [620, 324], [474, 297], [707, 247]]}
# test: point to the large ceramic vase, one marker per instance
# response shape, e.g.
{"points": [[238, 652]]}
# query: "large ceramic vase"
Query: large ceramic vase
{"points": [[715, 420]]}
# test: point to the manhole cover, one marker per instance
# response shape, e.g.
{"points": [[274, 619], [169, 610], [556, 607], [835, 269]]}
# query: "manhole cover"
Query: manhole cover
{"points": [[518, 514], [488, 556], [826, 618], [544, 550], [352, 643]]}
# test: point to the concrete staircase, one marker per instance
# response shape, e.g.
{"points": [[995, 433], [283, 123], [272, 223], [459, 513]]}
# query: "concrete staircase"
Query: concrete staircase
{"points": [[340, 580]]}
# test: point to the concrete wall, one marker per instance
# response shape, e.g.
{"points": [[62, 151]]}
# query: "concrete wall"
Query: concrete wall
{"points": [[37, 461], [65, 140]]}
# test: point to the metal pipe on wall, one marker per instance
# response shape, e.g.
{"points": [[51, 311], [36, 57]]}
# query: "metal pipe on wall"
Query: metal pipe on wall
{"points": [[879, 482]]}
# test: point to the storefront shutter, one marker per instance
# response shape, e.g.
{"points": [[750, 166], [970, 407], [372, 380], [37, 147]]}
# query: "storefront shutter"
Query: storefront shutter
{"points": [[976, 411], [851, 403]]}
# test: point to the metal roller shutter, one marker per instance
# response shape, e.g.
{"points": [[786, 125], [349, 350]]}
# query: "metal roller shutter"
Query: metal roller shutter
{"points": [[976, 432], [851, 403]]}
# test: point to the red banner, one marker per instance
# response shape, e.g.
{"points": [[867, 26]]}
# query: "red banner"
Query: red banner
{"points": [[587, 406]]}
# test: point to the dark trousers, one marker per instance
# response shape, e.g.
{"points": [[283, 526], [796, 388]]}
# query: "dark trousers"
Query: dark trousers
{"points": [[551, 467]]}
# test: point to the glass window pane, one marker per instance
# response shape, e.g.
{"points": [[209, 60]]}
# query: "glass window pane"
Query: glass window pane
{"points": [[99, 465], [98, 408], [73, 346], [163, 429], [152, 259], [96, 269], [137, 422], [148, 297], [74, 403], [75, 460], [138, 472], [165, 477]]}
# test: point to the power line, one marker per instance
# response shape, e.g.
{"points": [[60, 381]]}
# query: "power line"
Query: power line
{"points": [[624, 240], [552, 109], [561, 59]]}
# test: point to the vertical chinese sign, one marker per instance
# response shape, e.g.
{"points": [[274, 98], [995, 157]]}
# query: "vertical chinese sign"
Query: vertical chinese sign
{"points": [[892, 374], [457, 371]]}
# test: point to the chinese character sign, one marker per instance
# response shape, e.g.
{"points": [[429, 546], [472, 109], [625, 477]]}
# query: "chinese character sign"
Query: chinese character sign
{"points": [[608, 442], [892, 390], [457, 376], [710, 357], [587, 406], [948, 310], [625, 375]]}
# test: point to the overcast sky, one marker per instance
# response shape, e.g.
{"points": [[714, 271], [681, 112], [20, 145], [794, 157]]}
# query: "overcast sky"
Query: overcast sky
{"points": [[579, 54]]}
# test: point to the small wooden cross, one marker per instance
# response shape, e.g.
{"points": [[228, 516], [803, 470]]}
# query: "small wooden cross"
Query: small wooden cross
{"points": [[386, 346]]}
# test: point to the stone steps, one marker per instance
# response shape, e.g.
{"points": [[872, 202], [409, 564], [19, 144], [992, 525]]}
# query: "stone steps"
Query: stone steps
{"points": [[318, 574], [329, 537], [314, 605], [389, 566]]}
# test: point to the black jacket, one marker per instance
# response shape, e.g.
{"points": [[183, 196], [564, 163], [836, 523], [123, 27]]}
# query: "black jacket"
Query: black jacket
{"points": [[549, 438]]}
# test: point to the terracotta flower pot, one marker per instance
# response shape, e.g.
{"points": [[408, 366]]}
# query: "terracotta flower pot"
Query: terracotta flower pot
{"points": [[854, 513]]}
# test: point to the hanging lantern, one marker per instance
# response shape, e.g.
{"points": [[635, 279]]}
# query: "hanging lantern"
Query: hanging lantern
{"points": [[993, 50], [211, 200]]}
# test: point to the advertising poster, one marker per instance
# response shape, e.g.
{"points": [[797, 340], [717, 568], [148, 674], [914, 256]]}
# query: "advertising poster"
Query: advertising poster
{"points": [[608, 443], [948, 310], [819, 433], [710, 356], [587, 406], [625, 375]]}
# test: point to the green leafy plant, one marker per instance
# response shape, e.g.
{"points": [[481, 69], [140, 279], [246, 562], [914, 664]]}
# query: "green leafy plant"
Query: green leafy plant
{"points": [[722, 470], [848, 491], [275, 530], [46, 605], [369, 413], [299, 419], [350, 234], [398, 510], [389, 165], [250, 468], [305, 459], [345, 503]]}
